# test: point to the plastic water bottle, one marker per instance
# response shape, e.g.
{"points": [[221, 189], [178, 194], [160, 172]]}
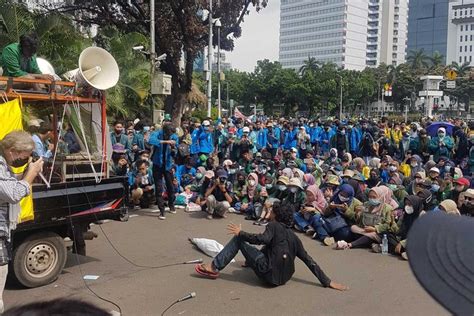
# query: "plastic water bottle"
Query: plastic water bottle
{"points": [[385, 244]]}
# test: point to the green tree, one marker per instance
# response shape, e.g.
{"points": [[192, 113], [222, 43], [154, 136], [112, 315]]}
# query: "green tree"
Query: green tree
{"points": [[311, 64], [418, 59], [181, 32]]}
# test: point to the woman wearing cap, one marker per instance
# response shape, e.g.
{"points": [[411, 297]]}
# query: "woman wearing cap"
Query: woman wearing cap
{"points": [[441, 145], [373, 219], [15, 153]]}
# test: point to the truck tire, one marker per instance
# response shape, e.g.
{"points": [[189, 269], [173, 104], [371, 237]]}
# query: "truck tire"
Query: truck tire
{"points": [[39, 259]]}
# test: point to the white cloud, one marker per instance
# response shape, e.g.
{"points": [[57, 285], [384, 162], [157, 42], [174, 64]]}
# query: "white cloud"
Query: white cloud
{"points": [[259, 40]]}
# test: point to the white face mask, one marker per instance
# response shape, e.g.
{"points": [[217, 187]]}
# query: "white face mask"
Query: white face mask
{"points": [[252, 183], [343, 198], [409, 209]]}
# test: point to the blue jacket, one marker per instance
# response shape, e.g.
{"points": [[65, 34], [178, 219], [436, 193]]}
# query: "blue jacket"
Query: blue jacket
{"points": [[182, 170], [155, 139], [262, 138], [315, 134], [206, 141], [194, 148], [139, 140], [326, 136], [290, 139], [274, 139], [355, 136], [132, 175]]}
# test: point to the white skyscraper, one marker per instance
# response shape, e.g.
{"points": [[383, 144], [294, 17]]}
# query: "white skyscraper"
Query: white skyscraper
{"points": [[351, 33], [460, 32]]}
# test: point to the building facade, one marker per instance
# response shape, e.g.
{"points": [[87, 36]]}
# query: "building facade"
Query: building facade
{"points": [[351, 33], [428, 26], [460, 32]]}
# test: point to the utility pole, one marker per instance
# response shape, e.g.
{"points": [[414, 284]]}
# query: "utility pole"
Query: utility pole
{"points": [[152, 54], [218, 25], [209, 63], [340, 104], [383, 105], [228, 102]]}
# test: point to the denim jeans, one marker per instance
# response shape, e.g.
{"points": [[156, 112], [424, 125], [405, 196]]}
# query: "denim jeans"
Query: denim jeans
{"points": [[254, 258], [314, 221]]}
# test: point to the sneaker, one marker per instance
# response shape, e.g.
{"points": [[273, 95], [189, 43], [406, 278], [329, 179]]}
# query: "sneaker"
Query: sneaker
{"points": [[404, 255], [258, 222], [209, 217], [329, 241], [232, 210], [310, 231], [264, 223], [342, 245], [172, 210], [376, 248], [162, 217], [315, 236]]}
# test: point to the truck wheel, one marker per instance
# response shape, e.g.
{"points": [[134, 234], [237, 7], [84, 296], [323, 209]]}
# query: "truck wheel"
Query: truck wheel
{"points": [[39, 259]]}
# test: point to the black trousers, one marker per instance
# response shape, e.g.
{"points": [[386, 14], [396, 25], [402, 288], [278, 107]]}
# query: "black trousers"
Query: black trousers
{"points": [[158, 174]]}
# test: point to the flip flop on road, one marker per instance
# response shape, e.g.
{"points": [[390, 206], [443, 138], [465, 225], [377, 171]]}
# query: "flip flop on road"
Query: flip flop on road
{"points": [[208, 274]]}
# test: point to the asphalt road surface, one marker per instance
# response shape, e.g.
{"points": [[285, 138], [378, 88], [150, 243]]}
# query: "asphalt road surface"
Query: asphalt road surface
{"points": [[379, 285]]}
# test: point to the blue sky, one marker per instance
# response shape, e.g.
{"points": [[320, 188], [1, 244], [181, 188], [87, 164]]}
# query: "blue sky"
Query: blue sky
{"points": [[260, 37]]}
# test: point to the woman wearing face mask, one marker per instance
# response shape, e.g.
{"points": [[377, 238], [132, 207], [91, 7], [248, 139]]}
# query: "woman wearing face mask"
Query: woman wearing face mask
{"points": [[373, 219], [441, 145], [251, 198], [309, 218], [397, 242], [15, 184], [343, 204], [396, 185], [333, 160]]}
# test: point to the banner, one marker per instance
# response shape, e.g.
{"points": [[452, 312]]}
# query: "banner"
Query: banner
{"points": [[10, 114]]}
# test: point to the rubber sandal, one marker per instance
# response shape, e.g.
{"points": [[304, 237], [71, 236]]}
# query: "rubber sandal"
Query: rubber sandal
{"points": [[204, 273]]}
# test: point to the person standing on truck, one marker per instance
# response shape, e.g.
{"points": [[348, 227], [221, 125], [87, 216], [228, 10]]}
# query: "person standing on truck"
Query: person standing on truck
{"points": [[15, 152]]}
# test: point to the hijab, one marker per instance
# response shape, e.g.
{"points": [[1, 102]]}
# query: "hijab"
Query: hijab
{"points": [[319, 201], [358, 193], [288, 173], [309, 179], [251, 189], [409, 219], [385, 196], [300, 175], [373, 182], [346, 188], [359, 163], [374, 163]]}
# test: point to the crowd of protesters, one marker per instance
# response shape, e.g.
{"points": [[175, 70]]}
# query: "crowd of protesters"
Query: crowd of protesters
{"points": [[351, 181]]}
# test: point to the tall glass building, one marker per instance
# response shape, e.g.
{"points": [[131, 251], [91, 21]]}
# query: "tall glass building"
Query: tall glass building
{"points": [[428, 26], [353, 34]]}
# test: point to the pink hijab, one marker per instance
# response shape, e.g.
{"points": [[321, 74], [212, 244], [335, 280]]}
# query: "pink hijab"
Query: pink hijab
{"points": [[319, 201], [384, 195], [309, 179], [251, 190]]}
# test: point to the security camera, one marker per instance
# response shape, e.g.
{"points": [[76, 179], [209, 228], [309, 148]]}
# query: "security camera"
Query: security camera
{"points": [[138, 47], [161, 57]]}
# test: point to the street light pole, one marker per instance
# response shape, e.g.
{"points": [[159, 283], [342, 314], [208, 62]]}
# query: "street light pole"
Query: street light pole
{"points": [[218, 25], [228, 102], [209, 63], [340, 104], [152, 53]]}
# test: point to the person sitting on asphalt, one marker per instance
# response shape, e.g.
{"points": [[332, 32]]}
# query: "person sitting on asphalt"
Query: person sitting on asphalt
{"points": [[142, 185], [219, 195], [275, 263]]}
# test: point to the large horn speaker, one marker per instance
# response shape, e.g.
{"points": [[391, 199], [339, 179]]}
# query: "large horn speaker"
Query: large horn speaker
{"points": [[46, 68], [97, 68]]}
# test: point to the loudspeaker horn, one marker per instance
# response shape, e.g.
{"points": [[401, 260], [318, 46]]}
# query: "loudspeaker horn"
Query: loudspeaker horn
{"points": [[97, 68], [46, 68]]}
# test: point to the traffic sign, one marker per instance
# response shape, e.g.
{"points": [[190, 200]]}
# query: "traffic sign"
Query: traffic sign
{"points": [[451, 74], [451, 84]]}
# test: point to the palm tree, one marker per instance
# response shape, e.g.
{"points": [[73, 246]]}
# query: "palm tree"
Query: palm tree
{"points": [[436, 60], [418, 59], [309, 65], [461, 70]]}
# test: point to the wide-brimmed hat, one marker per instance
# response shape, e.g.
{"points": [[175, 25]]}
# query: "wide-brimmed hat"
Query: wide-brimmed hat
{"points": [[334, 180], [348, 173], [295, 182], [441, 257], [284, 180]]}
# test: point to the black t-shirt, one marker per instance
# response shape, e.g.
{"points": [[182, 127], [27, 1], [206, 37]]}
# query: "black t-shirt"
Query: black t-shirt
{"points": [[219, 195]]}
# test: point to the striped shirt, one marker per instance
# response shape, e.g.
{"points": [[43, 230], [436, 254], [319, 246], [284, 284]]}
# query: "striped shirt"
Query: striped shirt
{"points": [[12, 191]]}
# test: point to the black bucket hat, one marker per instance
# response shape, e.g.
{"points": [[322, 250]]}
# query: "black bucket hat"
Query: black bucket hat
{"points": [[441, 254]]}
